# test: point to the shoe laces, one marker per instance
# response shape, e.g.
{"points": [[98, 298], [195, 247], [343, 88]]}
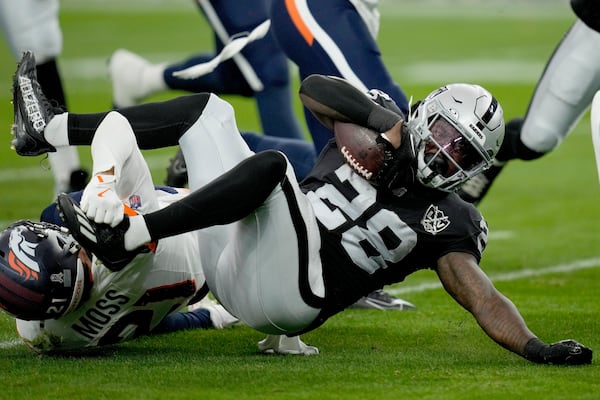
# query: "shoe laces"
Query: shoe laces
{"points": [[382, 295], [475, 186]]}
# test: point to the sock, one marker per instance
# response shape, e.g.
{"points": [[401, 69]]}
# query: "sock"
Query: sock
{"points": [[49, 78], [137, 234], [56, 132], [153, 79]]}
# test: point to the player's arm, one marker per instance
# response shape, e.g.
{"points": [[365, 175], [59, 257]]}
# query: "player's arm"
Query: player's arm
{"points": [[114, 152], [464, 280], [330, 98]]}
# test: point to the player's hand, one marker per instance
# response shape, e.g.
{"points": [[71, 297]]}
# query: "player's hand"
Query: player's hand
{"points": [[100, 201], [568, 352], [397, 161], [565, 352]]}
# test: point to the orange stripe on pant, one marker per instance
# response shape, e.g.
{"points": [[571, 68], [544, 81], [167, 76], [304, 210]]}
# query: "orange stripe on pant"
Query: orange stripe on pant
{"points": [[298, 22]]}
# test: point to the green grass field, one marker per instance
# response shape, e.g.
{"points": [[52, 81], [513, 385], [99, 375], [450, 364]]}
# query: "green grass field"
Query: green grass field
{"points": [[543, 253]]}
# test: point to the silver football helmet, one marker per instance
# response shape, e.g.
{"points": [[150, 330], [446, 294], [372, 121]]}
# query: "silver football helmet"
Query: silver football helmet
{"points": [[456, 132]]}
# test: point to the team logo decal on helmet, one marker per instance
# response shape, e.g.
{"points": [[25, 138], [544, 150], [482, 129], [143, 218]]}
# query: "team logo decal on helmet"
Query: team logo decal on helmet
{"points": [[20, 256], [434, 221]]}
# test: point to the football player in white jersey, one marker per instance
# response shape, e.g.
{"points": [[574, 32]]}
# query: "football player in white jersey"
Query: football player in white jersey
{"points": [[74, 303], [284, 257], [564, 92]]}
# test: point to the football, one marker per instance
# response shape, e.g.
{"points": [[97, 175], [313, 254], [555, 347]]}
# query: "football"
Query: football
{"points": [[359, 148]]}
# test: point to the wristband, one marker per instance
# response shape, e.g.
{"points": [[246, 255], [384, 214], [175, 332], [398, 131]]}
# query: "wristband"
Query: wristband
{"points": [[533, 350]]}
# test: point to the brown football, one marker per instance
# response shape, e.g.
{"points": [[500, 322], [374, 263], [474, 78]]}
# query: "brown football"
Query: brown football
{"points": [[359, 148]]}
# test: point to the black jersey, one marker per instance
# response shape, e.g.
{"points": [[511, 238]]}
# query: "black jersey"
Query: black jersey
{"points": [[371, 238]]}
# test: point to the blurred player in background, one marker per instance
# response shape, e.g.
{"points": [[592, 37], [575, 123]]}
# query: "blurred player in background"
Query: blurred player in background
{"points": [[33, 25], [338, 38], [260, 70], [563, 93]]}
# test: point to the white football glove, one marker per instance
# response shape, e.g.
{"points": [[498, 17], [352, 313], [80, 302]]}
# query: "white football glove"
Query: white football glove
{"points": [[100, 201]]}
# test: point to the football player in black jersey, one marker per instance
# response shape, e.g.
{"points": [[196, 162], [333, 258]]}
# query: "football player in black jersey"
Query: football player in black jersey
{"points": [[281, 256]]}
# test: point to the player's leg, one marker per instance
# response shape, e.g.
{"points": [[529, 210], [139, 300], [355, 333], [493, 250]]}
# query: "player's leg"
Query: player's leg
{"points": [[300, 153], [260, 191], [242, 206], [331, 38], [563, 93], [262, 64], [260, 70]]}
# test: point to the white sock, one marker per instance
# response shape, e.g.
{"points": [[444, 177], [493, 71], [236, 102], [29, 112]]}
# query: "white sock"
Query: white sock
{"points": [[56, 132], [153, 80], [137, 235]]}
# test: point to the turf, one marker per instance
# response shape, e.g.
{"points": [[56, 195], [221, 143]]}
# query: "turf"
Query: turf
{"points": [[543, 251]]}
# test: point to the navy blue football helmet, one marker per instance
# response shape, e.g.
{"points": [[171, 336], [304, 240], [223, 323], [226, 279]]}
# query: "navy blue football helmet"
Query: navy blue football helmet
{"points": [[41, 275]]}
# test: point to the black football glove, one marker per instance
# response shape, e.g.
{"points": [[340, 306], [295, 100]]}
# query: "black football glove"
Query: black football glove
{"points": [[397, 162], [565, 352]]}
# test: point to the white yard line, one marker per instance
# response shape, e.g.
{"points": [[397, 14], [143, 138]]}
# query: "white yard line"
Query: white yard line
{"points": [[509, 276], [8, 344]]}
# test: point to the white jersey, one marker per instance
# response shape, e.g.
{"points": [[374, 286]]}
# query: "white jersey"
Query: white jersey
{"points": [[127, 303]]}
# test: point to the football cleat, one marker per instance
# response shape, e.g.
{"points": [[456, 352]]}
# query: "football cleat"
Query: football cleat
{"points": [[105, 242], [474, 189], [32, 110], [78, 180], [177, 171], [281, 344], [133, 78], [219, 316], [381, 300], [477, 187]]}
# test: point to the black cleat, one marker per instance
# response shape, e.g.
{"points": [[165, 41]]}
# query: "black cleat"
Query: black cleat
{"points": [[32, 110], [177, 171], [107, 243], [380, 300], [78, 181], [477, 187]]}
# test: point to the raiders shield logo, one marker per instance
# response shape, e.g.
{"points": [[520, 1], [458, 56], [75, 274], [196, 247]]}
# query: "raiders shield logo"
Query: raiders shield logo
{"points": [[434, 221]]}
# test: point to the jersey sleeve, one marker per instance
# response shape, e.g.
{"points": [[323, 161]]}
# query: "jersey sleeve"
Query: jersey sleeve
{"points": [[467, 230]]}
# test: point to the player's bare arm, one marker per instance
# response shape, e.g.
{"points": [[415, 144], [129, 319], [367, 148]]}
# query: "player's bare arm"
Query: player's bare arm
{"points": [[464, 280]]}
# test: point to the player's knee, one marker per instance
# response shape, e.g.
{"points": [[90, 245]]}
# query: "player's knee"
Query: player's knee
{"points": [[272, 163], [541, 140], [588, 11]]}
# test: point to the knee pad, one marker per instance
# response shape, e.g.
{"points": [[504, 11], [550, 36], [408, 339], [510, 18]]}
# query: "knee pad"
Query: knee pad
{"points": [[273, 163]]}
